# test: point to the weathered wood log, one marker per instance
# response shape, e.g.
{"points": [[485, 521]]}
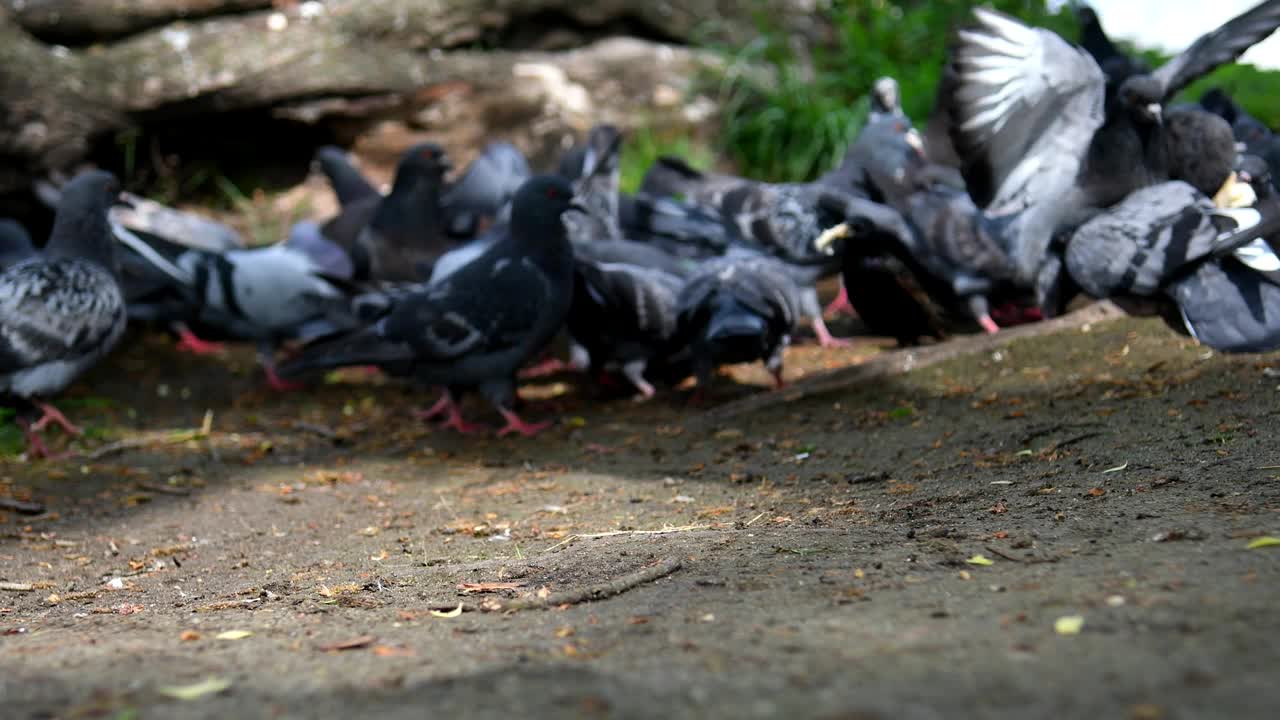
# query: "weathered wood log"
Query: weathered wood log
{"points": [[80, 22], [315, 60]]}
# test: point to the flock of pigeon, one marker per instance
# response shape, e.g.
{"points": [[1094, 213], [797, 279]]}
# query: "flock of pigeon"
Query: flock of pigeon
{"points": [[1047, 171]]}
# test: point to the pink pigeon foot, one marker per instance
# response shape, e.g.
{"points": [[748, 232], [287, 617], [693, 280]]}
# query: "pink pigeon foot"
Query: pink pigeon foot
{"points": [[190, 342], [279, 384], [550, 366], [35, 444], [988, 324], [825, 338], [840, 305], [444, 405], [516, 425], [454, 421], [51, 414]]}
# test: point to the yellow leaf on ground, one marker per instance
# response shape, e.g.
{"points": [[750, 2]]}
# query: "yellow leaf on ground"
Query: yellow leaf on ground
{"points": [[980, 560], [1068, 624], [234, 634], [448, 613], [195, 691], [1262, 542]]}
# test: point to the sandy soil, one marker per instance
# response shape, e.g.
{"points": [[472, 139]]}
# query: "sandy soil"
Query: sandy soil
{"points": [[903, 549]]}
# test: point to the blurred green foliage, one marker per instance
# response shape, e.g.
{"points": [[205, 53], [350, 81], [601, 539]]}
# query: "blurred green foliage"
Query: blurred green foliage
{"points": [[795, 121]]}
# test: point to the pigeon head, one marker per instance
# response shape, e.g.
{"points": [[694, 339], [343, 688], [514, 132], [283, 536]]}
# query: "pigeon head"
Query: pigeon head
{"points": [[1143, 96], [540, 203], [80, 226], [885, 96], [422, 161], [1200, 149], [1255, 171]]}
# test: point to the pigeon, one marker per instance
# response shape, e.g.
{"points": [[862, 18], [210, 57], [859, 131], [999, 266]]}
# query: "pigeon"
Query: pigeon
{"points": [[15, 243], [1171, 244], [596, 188], [62, 310], [406, 233], [734, 310], [475, 328], [349, 185], [1117, 65], [1257, 138], [780, 220], [294, 290], [483, 194], [1041, 152], [941, 238], [623, 314]]}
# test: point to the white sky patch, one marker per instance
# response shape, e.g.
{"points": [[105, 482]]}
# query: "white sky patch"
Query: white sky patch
{"points": [[1171, 25]]}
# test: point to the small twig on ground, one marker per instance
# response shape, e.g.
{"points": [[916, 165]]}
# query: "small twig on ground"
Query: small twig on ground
{"points": [[1073, 440], [323, 431], [151, 439], [752, 520], [598, 591], [1005, 554], [588, 536], [17, 587], [162, 488], [21, 506]]}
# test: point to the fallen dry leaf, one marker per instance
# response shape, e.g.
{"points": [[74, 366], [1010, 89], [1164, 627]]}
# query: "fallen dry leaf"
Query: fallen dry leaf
{"points": [[392, 651], [195, 691], [234, 635], [190, 636], [352, 644], [448, 613]]}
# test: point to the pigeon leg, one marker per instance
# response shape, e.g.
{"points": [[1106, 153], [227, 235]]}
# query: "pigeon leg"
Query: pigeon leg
{"points": [[840, 305], [266, 356], [516, 425], [35, 444], [189, 342], [442, 406], [455, 421], [51, 414], [978, 306], [825, 338], [634, 371]]}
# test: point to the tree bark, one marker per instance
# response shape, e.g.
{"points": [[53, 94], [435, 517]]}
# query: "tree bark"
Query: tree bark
{"points": [[309, 59]]}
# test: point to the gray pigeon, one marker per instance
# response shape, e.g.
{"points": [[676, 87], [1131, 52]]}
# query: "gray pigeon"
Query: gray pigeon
{"points": [[293, 290], [62, 310], [475, 328], [734, 310], [1041, 151], [1169, 243]]}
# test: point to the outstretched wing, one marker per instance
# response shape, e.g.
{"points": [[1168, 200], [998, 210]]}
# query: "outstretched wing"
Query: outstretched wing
{"points": [[1221, 46], [1026, 105]]}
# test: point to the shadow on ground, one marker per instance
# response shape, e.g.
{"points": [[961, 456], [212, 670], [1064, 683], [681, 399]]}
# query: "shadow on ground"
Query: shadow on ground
{"points": [[903, 549]]}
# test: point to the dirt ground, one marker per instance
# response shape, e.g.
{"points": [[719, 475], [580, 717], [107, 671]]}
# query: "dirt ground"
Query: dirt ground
{"points": [[918, 547]]}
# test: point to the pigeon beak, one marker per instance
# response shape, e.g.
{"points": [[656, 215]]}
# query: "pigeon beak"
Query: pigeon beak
{"points": [[915, 141], [576, 205], [1156, 112], [1235, 194], [1241, 147], [824, 242]]}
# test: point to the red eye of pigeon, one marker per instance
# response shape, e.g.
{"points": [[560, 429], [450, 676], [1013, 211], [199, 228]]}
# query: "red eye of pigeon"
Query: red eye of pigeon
{"points": [[553, 193]]}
